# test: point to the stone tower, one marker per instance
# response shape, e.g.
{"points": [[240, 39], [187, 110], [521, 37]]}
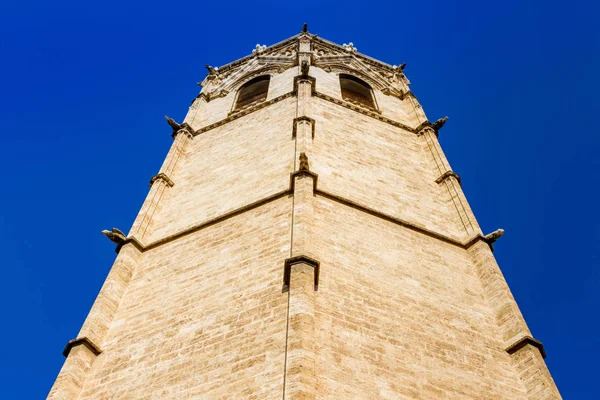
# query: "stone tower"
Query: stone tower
{"points": [[305, 238]]}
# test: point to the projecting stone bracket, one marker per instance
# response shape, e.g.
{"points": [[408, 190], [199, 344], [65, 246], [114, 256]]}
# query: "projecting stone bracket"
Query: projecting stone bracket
{"points": [[81, 341], [524, 341], [303, 119], [287, 270], [163, 177], [305, 78], [447, 175], [314, 177]]}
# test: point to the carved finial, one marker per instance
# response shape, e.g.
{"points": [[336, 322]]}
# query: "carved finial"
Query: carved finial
{"points": [[437, 125], [350, 47], [304, 68], [305, 28], [173, 124], [259, 49], [212, 70], [115, 236], [303, 163], [490, 238]]}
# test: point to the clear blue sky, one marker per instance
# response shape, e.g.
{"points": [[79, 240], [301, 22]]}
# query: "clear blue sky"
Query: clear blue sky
{"points": [[84, 87]]}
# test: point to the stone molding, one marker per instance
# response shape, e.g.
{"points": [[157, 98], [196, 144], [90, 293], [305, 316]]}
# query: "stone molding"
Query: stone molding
{"points": [[303, 119], [212, 95], [81, 341], [317, 192], [447, 175], [524, 341], [287, 269], [364, 110], [314, 177], [352, 106], [161, 177], [305, 78], [242, 112], [141, 247]]}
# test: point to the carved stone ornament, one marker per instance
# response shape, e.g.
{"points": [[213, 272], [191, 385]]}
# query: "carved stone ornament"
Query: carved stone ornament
{"points": [[350, 47], [173, 124], [212, 70], [115, 236], [303, 163], [346, 59], [490, 238], [304, 68], [437, 125], [259, 49], [179, 127]]}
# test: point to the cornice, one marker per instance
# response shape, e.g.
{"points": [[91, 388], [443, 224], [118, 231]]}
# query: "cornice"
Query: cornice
{"points": [[364, 110], [210, 222], [371, 112], [369, 60], [244, 111], [271, 48]]}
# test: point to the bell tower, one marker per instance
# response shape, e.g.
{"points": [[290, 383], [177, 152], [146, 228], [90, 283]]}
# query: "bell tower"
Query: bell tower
{"points": [[305, 238]]}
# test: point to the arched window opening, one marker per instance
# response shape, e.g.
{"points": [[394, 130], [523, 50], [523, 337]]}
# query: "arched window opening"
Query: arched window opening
{"points": [[355, 90], [253, 91]]}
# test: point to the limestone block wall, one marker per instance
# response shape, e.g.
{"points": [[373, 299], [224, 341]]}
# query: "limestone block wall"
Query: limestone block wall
{"points": [[407, 321], [379, 166], [229, 167], [204, 316]]}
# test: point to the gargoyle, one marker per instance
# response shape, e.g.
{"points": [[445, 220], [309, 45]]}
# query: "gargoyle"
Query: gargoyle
{"points": [[490, 238], [402, 66], [437, 125], [303, 162], [304, 68], [212, 70], [173, 124], [115, 236]]}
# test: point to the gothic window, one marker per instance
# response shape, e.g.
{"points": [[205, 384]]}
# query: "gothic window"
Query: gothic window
{"points": [[355, 90], [253, 91]]}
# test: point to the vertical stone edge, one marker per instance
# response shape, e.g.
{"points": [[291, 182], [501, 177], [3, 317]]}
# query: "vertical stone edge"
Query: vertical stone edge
{"points": [[301, 279], [142, 226], [527, 354], [449, 179], [81, 352]]}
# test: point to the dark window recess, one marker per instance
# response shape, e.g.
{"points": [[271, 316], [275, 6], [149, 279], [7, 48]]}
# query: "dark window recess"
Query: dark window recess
{"points": [[253, 91], [354, 89]]}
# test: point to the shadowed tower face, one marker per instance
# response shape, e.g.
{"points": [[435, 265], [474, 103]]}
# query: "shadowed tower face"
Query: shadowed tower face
{"points": [[305, 238]]}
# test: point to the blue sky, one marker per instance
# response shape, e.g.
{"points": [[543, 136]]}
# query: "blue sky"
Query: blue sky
{"points": [[84, 87]]}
